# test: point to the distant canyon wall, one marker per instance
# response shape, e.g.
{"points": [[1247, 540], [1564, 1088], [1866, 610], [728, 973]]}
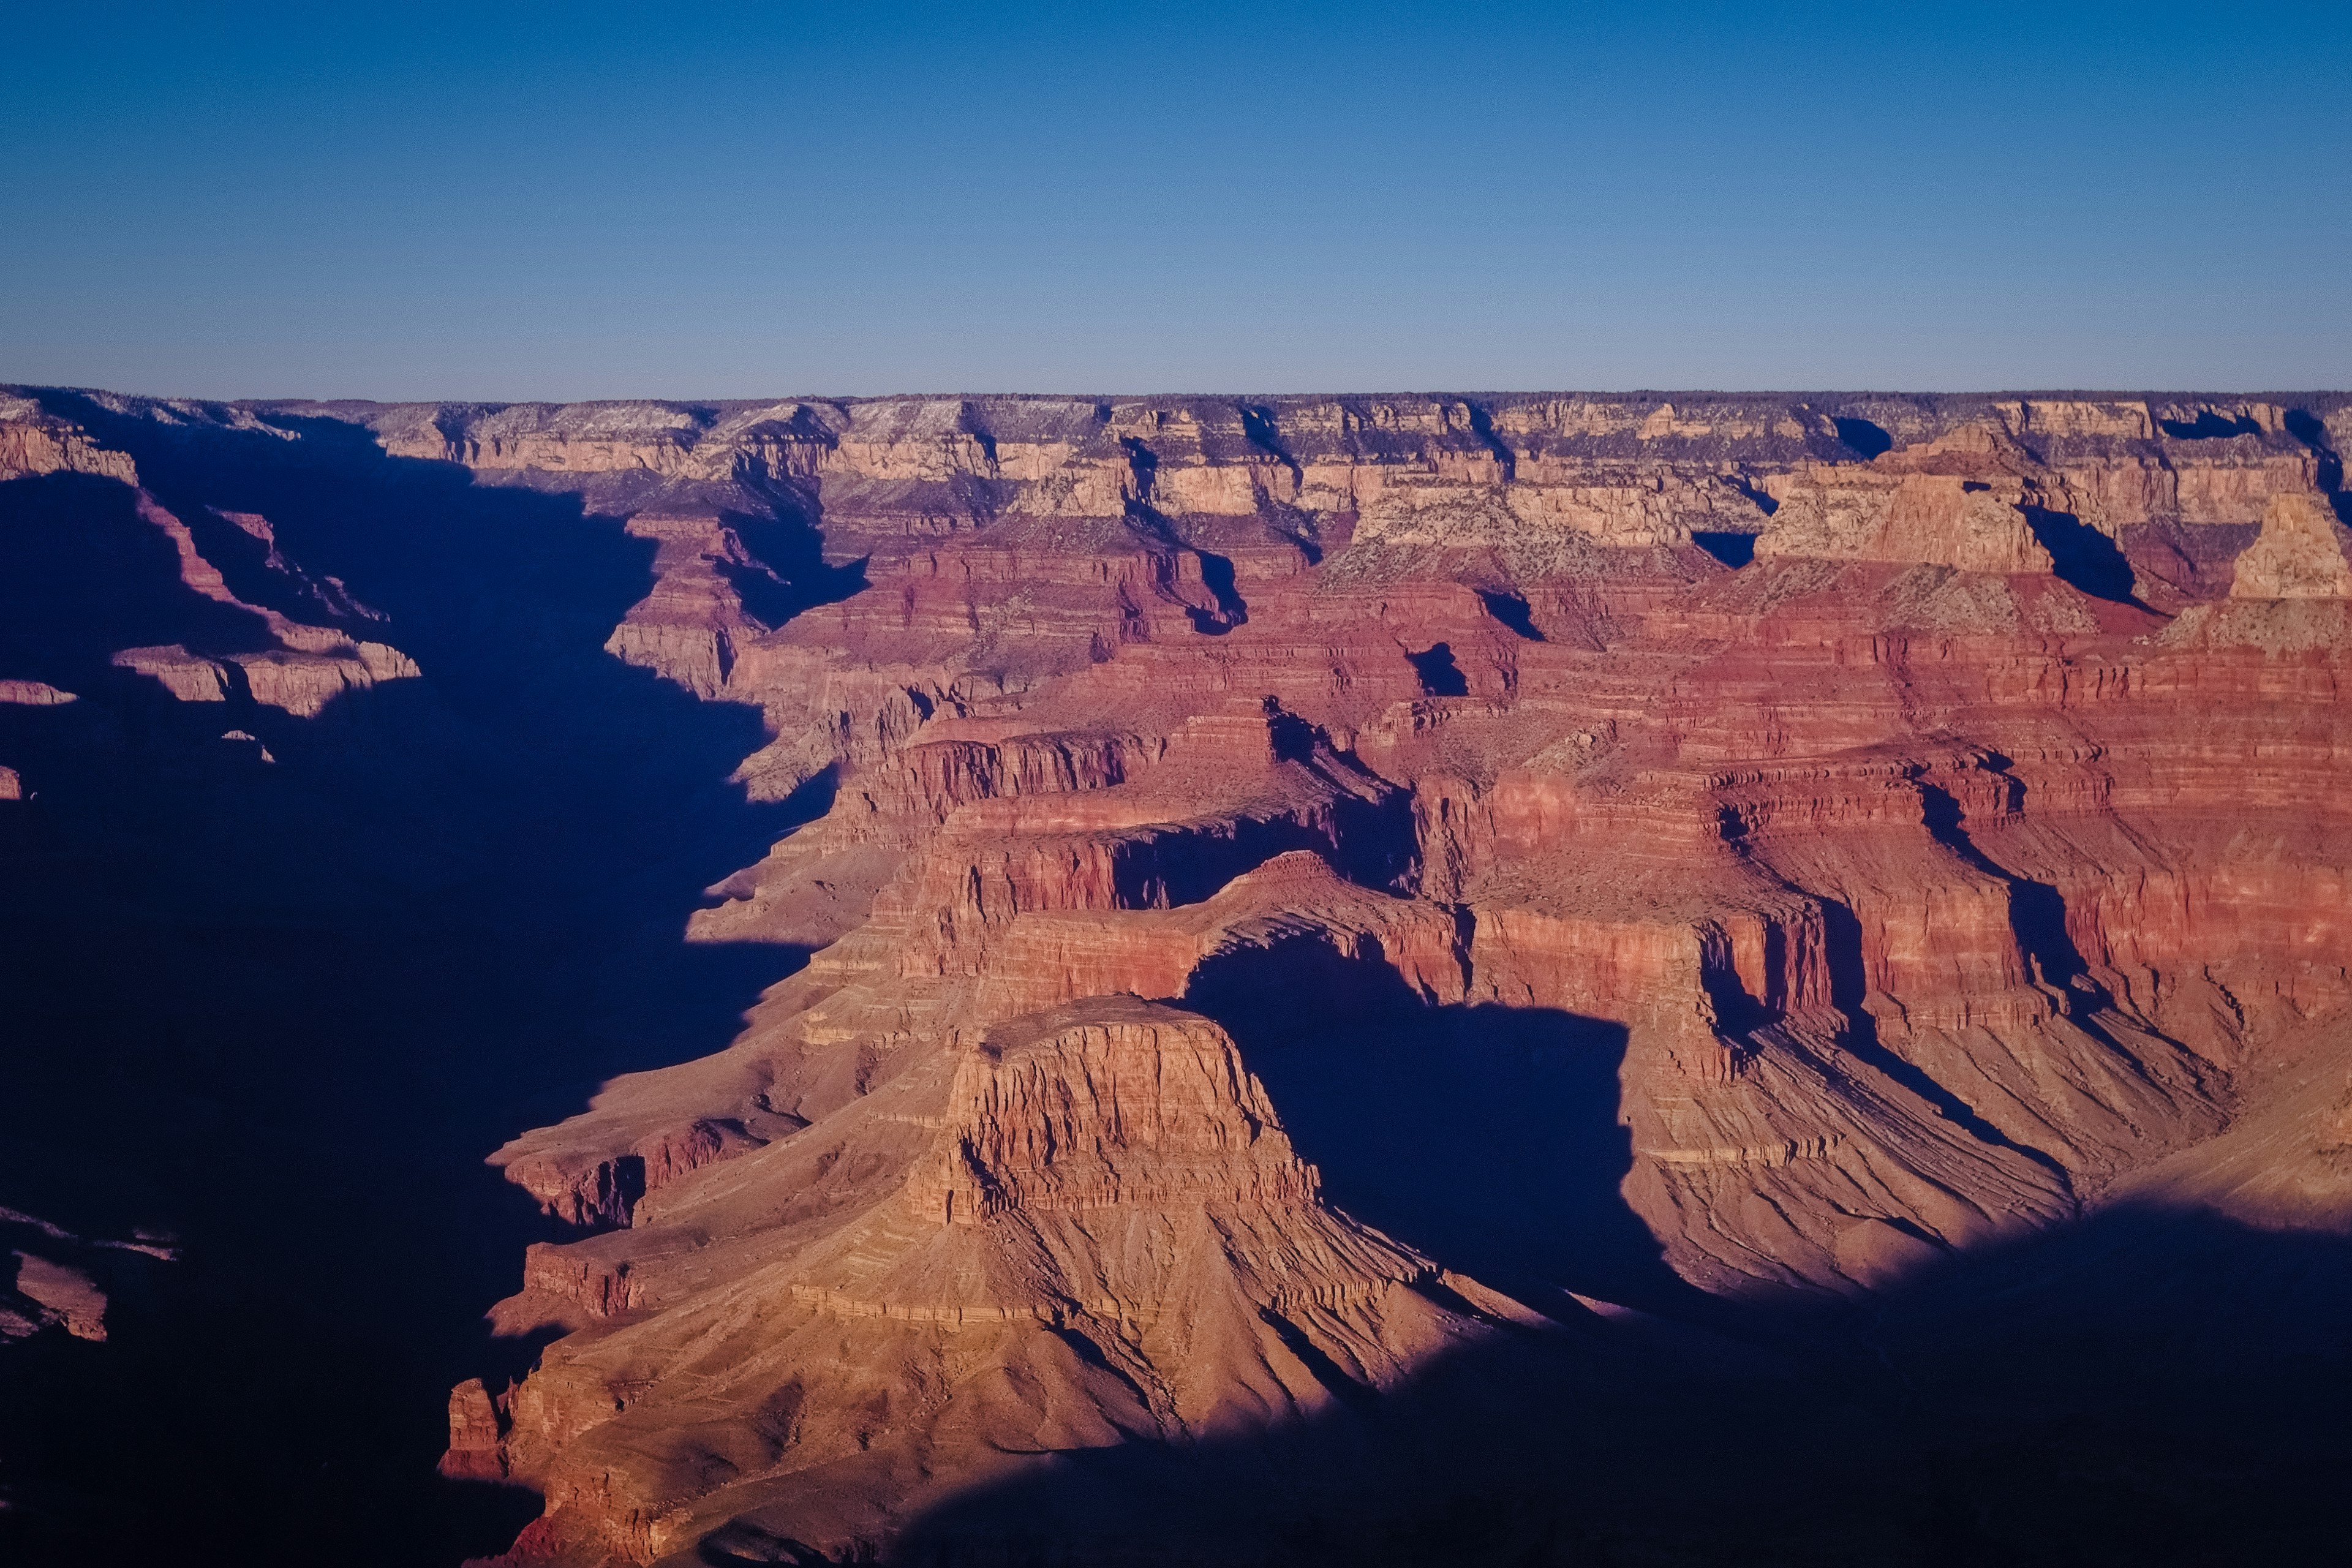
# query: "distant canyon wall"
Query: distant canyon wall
{"points": [[1926, 806]]}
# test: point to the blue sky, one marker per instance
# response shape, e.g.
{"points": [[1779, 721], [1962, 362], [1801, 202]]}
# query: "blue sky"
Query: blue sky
{"points": [[716, 200]]}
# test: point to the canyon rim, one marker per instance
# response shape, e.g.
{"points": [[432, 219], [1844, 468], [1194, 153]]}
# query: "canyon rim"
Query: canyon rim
{"points": [[1666, 978]]}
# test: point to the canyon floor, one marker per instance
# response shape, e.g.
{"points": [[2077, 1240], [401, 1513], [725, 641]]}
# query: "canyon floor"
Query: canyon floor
{"points": [[1675, 979]]}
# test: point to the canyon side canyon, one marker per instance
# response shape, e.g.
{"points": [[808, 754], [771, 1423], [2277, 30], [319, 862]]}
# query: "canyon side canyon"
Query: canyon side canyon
{"points": [[1675, 978]]}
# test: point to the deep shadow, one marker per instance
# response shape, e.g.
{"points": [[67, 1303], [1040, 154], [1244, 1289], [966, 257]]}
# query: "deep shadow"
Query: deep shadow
{"points": [[2195, 561], [1841, 933], [2038, 915], [2210, 425], [1512, 611], [1734, 549], [1216, 571], [2082, 555], [1440, 675], [1485, 1137], [1369, 842], [2148, 1388], [1763, 499], [1482, 424], [1258, 426], [84, 531], [1142, 459], [1217, 575], [1865, 439], [2307, 428], [791, 574], [287, 1007], [2037, 911]]}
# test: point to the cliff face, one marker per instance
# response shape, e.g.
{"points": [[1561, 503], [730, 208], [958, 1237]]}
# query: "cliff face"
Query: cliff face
{"points": [[1911, 819]]}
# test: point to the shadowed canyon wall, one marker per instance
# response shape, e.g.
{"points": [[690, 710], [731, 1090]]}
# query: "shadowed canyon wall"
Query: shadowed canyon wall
{"points": [[1531, 978]]}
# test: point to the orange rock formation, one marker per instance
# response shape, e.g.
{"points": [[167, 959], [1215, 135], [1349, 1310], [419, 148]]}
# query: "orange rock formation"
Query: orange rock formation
{"points": [[1965, 861]]}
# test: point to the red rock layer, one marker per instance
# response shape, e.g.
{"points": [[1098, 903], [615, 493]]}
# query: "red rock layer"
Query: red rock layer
{"points": [[1940, 871], [1966, 856]]}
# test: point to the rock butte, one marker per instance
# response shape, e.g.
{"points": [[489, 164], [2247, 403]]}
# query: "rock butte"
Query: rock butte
{"points": [[1925, 807]]}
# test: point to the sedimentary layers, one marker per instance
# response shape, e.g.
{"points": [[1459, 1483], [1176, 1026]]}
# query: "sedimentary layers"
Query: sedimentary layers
{"points": [[1921, 809]]}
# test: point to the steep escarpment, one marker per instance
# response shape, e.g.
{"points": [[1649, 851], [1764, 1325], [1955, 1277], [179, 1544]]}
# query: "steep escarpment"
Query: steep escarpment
{"points": [[336, 837], [1087, 1227], [1881, 877], [1350, 941]]}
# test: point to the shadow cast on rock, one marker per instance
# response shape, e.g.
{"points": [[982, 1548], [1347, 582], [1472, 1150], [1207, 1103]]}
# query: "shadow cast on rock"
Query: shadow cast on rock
{"points": [[2150, 1387], [304, 997], [2084, 556], [1485, 1138]]}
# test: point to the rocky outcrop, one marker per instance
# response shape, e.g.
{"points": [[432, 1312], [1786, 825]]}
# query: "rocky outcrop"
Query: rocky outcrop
{"points": [[1933, 520], [257, 655], [35, 442], [1809, 833], [1101, 1197], [1880, 856], [55, 1293], [2299, 555], [60, 1279], [301, 682], [1193, 793], [688, 629]]}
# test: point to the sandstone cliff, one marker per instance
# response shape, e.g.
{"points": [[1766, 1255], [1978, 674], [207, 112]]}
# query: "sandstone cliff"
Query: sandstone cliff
{"points": [[1883, 857], [1811, 844]]}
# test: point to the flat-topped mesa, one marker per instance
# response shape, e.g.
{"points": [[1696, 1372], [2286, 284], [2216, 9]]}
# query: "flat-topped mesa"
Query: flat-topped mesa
{"points": [[2197, 461], [2118, 463], [301, 682], [937, 440], [1133, 841], [950, 764], [1975, 494], [2290, 595], [1608, 467], [1625, 507], [669, 440]]}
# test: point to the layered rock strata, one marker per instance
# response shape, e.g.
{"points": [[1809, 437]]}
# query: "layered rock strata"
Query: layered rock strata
{"points": [[1921, 925], [1916, 813], [1085, 1227]]}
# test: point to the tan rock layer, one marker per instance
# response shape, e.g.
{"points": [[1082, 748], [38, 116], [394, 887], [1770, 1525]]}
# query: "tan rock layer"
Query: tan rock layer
{"points": [[1919, 897]]}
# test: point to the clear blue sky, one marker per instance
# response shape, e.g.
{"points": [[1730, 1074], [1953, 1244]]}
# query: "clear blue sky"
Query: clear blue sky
{"points": [[715, 200]]}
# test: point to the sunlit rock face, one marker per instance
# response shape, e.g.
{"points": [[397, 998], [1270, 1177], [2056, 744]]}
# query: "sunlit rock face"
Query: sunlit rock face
{"points": [[1344, 933]]}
